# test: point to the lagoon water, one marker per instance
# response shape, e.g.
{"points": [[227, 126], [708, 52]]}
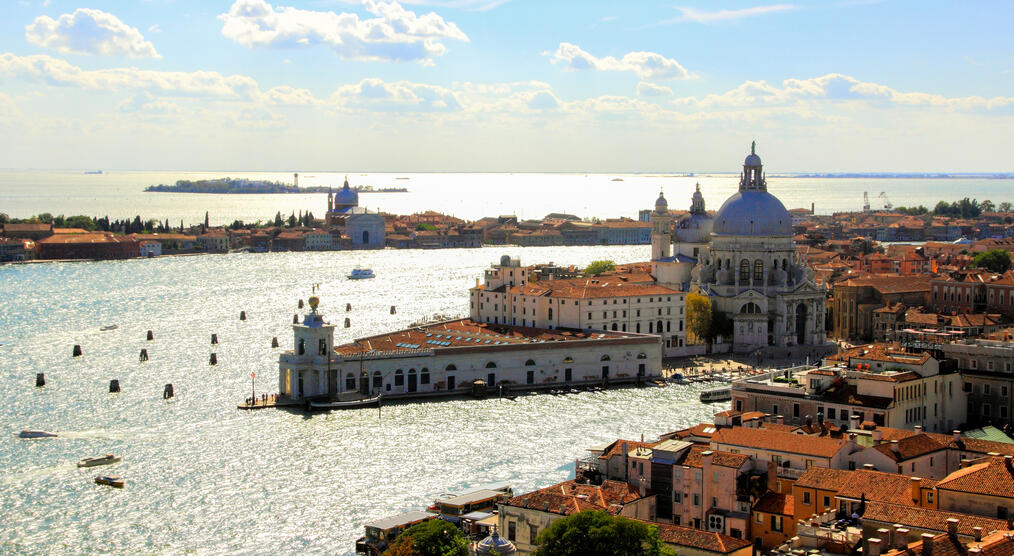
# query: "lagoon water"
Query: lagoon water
{"points": [[119, 194], [205, 477]]}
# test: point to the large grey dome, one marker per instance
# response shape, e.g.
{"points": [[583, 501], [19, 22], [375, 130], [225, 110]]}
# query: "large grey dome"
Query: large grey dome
{"points": [[753, 213]]}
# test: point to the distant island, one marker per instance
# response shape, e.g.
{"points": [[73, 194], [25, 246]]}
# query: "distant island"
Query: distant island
{"points": [[906, 175], [231, 186]]}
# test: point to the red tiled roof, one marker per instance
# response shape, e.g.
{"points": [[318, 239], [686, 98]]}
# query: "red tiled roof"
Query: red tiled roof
{"points": [[993, 477], [591, 288], [570, 497], [779, 441], [911, 447], [775, 503], [695, 538], [1000, 543], [616, 448], [881, 487], [929, 519]]}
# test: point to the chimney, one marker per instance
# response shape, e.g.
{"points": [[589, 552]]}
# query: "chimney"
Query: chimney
{"points": [[927, 544], [875, 546], [854, 422], [918, 429], [957, 435], [779, 419], [977, 533], [878, 437], [952, 527], [965, 462], [772, 476], [641, 488], [901, 540], [916, 484], [884, 536], [868, 467], [1008, 462], [894, 447]]}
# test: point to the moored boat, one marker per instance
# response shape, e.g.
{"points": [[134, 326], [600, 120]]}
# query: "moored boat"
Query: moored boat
{"points": [[109, 327], [716, 395], [356, 403], [110, 480], [36, 434], [101, 460]]}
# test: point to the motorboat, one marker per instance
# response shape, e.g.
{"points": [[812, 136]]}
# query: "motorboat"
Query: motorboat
{"points": [[101, 460], [110, 480], [361, 274], [716, 395], [109, 327], [354, 403], [36, 434]]}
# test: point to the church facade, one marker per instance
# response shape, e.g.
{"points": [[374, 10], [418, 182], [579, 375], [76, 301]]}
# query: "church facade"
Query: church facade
{"points": [[364, 229], [745, 261]]}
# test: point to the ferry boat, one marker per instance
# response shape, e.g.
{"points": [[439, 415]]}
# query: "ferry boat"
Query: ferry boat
{"points": [[36, 434], [107, 459], [361, 274], [716, 395], [113, 481], [109, 327]]}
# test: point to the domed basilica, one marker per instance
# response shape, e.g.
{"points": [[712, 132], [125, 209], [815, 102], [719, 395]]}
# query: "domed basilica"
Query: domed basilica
{"points": [[744, 259]]}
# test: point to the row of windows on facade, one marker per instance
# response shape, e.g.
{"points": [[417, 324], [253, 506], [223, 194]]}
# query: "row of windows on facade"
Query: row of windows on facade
{"points": [[985, 410], [618, 327], [986, 389], [591, 302], [974, 364], [758, 267]]}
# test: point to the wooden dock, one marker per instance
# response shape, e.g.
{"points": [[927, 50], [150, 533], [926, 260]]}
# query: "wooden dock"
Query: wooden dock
{"points": [[269, 403]]}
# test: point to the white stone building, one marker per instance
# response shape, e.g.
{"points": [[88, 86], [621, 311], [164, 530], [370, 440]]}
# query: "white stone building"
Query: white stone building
{"points": [[449, 357]]}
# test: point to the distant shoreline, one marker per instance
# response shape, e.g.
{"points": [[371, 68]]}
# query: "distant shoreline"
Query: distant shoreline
{"points": [[230, 186]]}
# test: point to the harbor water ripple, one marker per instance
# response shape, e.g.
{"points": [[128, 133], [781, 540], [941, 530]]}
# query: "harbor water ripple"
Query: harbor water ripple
{"points": [[205, 477]]}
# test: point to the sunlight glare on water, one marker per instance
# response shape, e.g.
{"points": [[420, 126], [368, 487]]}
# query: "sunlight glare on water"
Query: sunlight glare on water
{"points": [[203, 476]]}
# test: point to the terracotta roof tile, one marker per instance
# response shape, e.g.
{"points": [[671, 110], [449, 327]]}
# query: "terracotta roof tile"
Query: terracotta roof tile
{"points": [[779, 441], [993, 477], [911, 447], [775, 503], [696, 538], [929, 519], [570, 497]]}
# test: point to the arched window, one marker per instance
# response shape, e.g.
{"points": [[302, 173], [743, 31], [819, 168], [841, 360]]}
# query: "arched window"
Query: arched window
{"points": [[302, 346], [605, 358], [719, 265], [491, 365], [322, 347], [614, 326], [366, 237], [550, 313], [758, 270], [651, 327], [638, 328], [568, 359], [451, 367], [378, 380], [424, 376], [744, 270], [750, 308], [642, 355], [399, 378], [658, 327], [785, 264], [350, 382], [529, 363]]}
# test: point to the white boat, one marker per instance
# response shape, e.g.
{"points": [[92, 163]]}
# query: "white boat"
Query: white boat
{"points": [[36, 434], [361, 274], [716, 395], [101, 460], [109, 327], [325, 405]]}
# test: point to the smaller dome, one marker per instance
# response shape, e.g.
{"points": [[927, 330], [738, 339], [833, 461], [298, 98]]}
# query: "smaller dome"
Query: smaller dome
{"points": [[346, 196], [661, 204], [495, 544], [752, 160]]}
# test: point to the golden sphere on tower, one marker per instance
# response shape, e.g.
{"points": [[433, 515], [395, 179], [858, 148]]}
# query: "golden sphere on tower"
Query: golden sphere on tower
{"points": [[314, 301]]}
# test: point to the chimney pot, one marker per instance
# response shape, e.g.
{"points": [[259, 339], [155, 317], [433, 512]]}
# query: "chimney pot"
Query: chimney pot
{"points": [[875, 546], [918, 429], [868, 466], [952, 526], [894, 447], [878, 437], [927, 544], [977, 533], [901, 541], [957, 435]]}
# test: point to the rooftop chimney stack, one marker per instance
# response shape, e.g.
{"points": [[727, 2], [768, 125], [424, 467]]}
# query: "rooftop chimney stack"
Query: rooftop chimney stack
{"points": [[927, 544], [878, 437], [894, 447], [875, 546], [957, 435], [916, 483], [918, 429], [977, 533], [868, 467], [952, 527], [854, 422], [1008, 462], [901, 539]]}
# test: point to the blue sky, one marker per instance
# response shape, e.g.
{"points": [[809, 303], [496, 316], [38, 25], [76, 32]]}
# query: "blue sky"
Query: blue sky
{"points": [[506, 85]]}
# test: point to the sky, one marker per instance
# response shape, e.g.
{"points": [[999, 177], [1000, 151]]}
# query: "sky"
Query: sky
{"points": [[507, 85]]}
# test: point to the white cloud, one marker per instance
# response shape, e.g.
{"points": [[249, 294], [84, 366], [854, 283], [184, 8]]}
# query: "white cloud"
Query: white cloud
{"points": [[702, 16], [88, 31], [647, 65], [401, 96], [835, 87], [60, 73], [155, 28], [470, 5], [144, 103], [396, 34], [645, 89]]}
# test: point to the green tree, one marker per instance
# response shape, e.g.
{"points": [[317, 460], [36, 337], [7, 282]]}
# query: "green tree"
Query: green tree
{"points": [[699, 316], [1004, 206], [80, 221], [434, 537], [598, 267], [45, 218], [996, 260], [278, 219], [4, 218], [425, 226], [987, 206], [594, 533]]}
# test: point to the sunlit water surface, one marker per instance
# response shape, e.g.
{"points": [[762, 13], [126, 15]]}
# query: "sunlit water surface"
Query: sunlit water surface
{"points": [[205, 477]]}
